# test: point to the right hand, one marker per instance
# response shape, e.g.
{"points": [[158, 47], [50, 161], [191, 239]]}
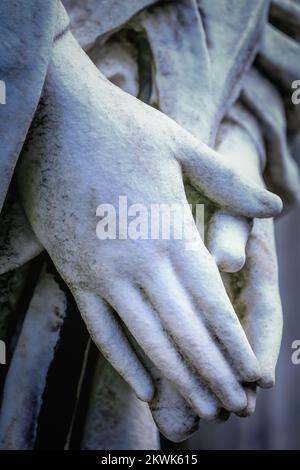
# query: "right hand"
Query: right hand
{"points": [[90, 143]]}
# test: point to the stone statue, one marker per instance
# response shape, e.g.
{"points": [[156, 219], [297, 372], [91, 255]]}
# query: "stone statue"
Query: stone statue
{"points": [[164, 103]]}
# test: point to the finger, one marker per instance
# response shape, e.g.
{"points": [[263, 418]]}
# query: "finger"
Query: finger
{"points": [[183, 323], [227, 237], [263, 327], [168, 402], [202, 279], [258, 303], [110, 339], [143, 323], [241, 146], [225, 186], [251, 393]]}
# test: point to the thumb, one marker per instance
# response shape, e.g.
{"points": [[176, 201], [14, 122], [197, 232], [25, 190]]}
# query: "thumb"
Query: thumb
{"points": [[227, 237], [225, 186]]}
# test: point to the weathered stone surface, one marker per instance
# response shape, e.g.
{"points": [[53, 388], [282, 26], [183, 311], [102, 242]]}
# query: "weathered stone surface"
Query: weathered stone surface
{"points": [[159, 314], [27, 374], [25, 48]]}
